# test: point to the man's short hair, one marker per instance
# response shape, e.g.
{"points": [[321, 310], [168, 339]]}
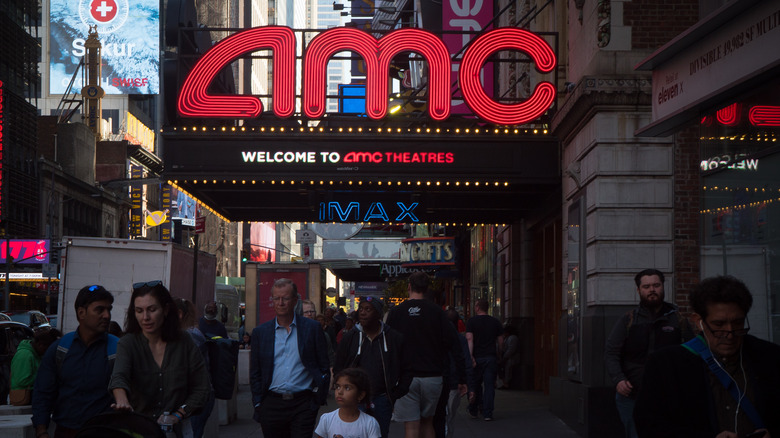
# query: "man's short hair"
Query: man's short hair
{"points": [[284, 282], [646, 273], [482, 304], [723, 289], [419, 282], [89, 294]]}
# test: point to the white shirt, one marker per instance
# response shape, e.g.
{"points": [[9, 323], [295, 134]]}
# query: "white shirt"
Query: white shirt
{"points": [[331, 426]]}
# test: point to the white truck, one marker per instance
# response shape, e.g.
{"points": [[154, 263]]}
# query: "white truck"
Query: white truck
{"points": [[118, 263]]}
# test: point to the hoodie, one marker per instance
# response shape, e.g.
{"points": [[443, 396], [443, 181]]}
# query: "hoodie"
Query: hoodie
{"points": [[354, 345], [24, 366]]}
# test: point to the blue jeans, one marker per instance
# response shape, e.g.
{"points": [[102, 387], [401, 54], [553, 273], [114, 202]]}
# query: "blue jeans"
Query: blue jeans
{"points": [[484, 374], [383, 411], [199, 421], [625, 407]]}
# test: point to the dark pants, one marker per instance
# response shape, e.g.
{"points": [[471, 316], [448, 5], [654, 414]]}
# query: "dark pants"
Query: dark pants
{"points": [[198, 422], [484, 373], [383, 412], [294, 418], [64, 432]]}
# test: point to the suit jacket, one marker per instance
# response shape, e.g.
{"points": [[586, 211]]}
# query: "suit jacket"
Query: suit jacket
{"points": [[312, 349], [676, 399]]}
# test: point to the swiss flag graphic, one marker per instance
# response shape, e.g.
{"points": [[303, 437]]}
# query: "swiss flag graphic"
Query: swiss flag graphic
{"points": [[103, 10]]}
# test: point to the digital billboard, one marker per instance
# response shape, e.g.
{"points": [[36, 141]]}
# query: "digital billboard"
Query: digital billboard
{"points": [[129, 31]]}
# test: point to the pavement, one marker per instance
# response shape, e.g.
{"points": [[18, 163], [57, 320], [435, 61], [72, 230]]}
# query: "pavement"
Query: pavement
{"points": [[518, 414]]}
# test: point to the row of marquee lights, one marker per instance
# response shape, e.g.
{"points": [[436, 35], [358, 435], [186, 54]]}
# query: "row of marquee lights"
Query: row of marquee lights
{"points": [[359, 183], [194, 101], [378, 130]]}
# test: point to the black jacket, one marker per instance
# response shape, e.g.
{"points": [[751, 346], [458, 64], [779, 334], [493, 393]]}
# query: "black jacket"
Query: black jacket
{"points": [[396, 376], [636, 335], [677, 401]]}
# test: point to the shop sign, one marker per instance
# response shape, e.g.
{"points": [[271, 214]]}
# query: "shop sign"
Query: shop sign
{"points": [[195, 101], [428, 251], [697, 76], [26, 251], [397, 270]]}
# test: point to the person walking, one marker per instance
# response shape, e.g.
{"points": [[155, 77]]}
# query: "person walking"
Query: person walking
{"points": [[70, 387], [289, 371], [428, 338], [652, 325], [158, 368], [186, 312], [376, 348], [484, 335], [723, 383], [25, 363], [208, 324]]}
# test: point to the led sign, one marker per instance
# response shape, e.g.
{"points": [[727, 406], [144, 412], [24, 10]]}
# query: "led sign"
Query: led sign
{"points": [[26, 251], [194, 101], [376, 211], [428, 251], [2, 173]]}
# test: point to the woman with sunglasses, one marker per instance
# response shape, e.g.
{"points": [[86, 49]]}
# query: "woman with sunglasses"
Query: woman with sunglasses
{"points": [[158, 368]]}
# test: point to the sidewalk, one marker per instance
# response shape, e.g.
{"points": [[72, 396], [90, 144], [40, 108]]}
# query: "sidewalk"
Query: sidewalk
{"points": [[519, 414]]}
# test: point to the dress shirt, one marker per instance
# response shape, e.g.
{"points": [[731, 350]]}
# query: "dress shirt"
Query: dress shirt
{"points": [[290, 376]]}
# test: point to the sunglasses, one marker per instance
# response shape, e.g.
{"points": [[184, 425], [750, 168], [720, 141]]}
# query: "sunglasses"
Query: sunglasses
{"points": [[147, 284]]}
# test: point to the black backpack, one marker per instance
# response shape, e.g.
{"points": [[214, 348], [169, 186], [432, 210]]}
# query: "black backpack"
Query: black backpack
{"points": [[223, 360]]}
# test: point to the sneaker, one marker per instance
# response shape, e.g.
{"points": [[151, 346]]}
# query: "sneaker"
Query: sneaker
{"points": [[488, 418], [473, 415]]}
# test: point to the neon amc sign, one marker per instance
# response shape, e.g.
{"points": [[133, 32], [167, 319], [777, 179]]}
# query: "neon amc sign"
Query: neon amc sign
{"points": [[194, 101]]}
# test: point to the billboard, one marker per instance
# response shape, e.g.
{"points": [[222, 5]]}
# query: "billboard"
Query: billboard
{"points": [[129, 31]]}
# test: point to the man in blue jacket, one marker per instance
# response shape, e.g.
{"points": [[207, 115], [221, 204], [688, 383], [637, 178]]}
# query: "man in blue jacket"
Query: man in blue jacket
{"points": [[289, 369], [72, 384]]}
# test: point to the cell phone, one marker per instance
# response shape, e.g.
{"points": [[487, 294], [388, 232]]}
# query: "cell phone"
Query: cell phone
{"points": [[756, 434]]}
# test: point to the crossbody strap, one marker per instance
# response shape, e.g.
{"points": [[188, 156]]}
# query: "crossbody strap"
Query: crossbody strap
{"points": [[698, 346]]}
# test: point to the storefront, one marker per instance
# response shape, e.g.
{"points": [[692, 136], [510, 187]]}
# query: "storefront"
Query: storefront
{"points": [[722, 76]]}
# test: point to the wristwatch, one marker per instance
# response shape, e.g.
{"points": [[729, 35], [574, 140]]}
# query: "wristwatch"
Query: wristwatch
{"points": [[183, 410]]}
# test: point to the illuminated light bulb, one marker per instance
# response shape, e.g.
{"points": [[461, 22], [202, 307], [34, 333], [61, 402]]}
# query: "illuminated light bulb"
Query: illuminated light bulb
{"points": [[427, 183], [311, 129], [438, 183], [254, 181], [544, 132], [350, 183], [427, 129], [281, 129], [243, 128], [495, 131], [476, 131], [273, 182], [408, 183], [360, 183], [292, 183], [223, 129], [457, 183], [467, 130], [496, 184], [399, 130], [281, 182], [341, 130], [360, 129], [194, 181], [322, 182], [330, 182], [301, 129], [457, 130], [350, 129], [447, 183], [476, 183], [204, 181], [467, 183], [418, 183], [234, 181], [418, 129], [213, 182]]}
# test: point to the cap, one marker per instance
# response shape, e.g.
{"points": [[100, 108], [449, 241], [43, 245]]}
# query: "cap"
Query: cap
{"points": [[376, 302]]}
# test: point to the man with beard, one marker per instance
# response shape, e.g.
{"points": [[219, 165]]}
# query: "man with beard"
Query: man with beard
{"points": [[639, 332], [723, 383]]}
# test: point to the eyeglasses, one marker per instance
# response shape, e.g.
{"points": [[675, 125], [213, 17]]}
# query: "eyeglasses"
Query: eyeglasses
{"points": [[720, 334], [147, 284]]}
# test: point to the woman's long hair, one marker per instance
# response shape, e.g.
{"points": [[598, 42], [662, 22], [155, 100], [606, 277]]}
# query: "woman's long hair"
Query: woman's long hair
{"points": [[187, 310], [170, 327]]}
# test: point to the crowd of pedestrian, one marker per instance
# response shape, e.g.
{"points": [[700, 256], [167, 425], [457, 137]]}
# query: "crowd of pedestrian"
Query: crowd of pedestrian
{"points": [[674, 376]]}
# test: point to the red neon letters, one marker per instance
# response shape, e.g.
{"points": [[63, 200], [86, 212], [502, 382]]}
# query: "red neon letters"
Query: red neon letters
{"points": [[194, 101], [764, 115]]}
